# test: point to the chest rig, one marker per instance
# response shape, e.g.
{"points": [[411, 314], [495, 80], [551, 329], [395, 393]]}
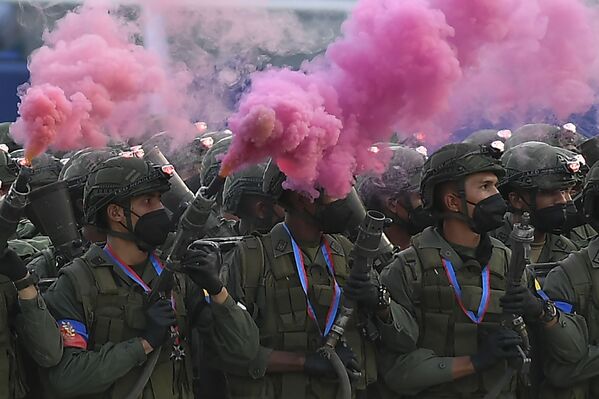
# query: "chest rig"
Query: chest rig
{"points": [[115, 312], [443, 326], [276, 300]]}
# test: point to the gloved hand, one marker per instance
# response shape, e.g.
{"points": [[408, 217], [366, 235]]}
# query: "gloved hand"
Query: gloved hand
{"points": [[521, 301], [319, 366], [12, 266], [498, 346], [160, 316], [362, 289], [201, 263]]}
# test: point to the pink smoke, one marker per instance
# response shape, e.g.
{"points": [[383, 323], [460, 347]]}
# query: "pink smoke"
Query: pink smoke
{"points": [[418, 66], [367, 82], [90, 82], [543, 59]]}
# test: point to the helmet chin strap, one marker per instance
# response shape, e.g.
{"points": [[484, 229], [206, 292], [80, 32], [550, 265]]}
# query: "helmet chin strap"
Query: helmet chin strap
{"points": [[129, 235]]}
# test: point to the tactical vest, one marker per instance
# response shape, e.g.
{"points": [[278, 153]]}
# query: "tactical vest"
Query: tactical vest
{"points": [[584, 278], [115, 313], [12, 369], [443, 326], [280, 311]]}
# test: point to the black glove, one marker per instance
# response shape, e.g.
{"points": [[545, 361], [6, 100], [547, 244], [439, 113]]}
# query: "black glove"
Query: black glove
{"points": [[362, 289], [160, 316], [521, 301], [12, 266], [201, 263], [317, 365], [498, 346]]}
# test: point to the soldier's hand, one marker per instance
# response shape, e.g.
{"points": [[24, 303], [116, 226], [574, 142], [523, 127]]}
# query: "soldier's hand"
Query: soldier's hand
{"points": [[202, 263], [317, 365], [500, 345], [160, 316], [521, 301], [12, 266], [362, 289]]}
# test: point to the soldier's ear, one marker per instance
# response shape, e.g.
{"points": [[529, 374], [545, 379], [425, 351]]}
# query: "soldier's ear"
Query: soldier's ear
{"points": [[452, 202], [115, 213]]}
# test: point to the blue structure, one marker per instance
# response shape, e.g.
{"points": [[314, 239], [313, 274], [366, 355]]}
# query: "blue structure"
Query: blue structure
{"points": [[13, 73]]}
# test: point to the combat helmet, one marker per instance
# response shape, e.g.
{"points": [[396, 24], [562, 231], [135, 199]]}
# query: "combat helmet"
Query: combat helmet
{"points": [[119, 179], [402, 176], [212, 160], [244, 182], [453, 163], [538, 166]]}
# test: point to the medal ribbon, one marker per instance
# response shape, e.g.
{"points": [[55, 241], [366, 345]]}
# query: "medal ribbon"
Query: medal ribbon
{"points": [[486, 294], [128, 270], [303, 276]]}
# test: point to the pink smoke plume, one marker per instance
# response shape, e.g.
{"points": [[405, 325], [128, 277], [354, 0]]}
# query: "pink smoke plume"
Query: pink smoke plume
{"points": [[544, 60], [365, 84], [416, 66], [90, 82]]}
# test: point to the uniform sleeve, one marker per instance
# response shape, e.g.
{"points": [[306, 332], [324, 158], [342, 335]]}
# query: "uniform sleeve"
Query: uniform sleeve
{"points": [[39, 332], [408, 370], [82, 371], [256, 363], [567, 341], [563, 375]]}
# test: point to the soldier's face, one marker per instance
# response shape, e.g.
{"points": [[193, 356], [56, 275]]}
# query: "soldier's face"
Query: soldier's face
{"points": [[480, 186], [145, 204], [545, 199], [139, 206]]}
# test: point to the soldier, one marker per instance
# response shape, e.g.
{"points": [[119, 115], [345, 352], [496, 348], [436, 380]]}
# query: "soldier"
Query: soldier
{"points": [[538, 181], [101, 301], [290, 280], [8, 172], [396, 195], [573, 286], [244, 198], [46, 263], [5, 137], [219, 224], [449, 284], [26, 327]]}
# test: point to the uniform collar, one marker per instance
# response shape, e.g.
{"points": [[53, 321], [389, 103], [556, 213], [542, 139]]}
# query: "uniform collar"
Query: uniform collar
{"points": [[98, 257], [432, 238], [281, 242]]}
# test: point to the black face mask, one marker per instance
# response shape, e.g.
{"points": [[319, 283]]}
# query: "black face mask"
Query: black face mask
{"points": [[488, 214], [574, 218], [339, 216], [419, 219], [550, 220], [152, 229]]}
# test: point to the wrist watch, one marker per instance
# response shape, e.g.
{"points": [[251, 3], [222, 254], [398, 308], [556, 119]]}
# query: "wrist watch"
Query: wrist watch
{"points": [[31, 279], [549, 312], [384, 298]]}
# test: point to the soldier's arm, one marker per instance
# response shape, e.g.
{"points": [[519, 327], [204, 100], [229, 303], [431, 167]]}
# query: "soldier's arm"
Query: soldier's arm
{"points": [[83, 371], [408, 369], [567, 339], [37, 329], [232, 336], [563, 375]]}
